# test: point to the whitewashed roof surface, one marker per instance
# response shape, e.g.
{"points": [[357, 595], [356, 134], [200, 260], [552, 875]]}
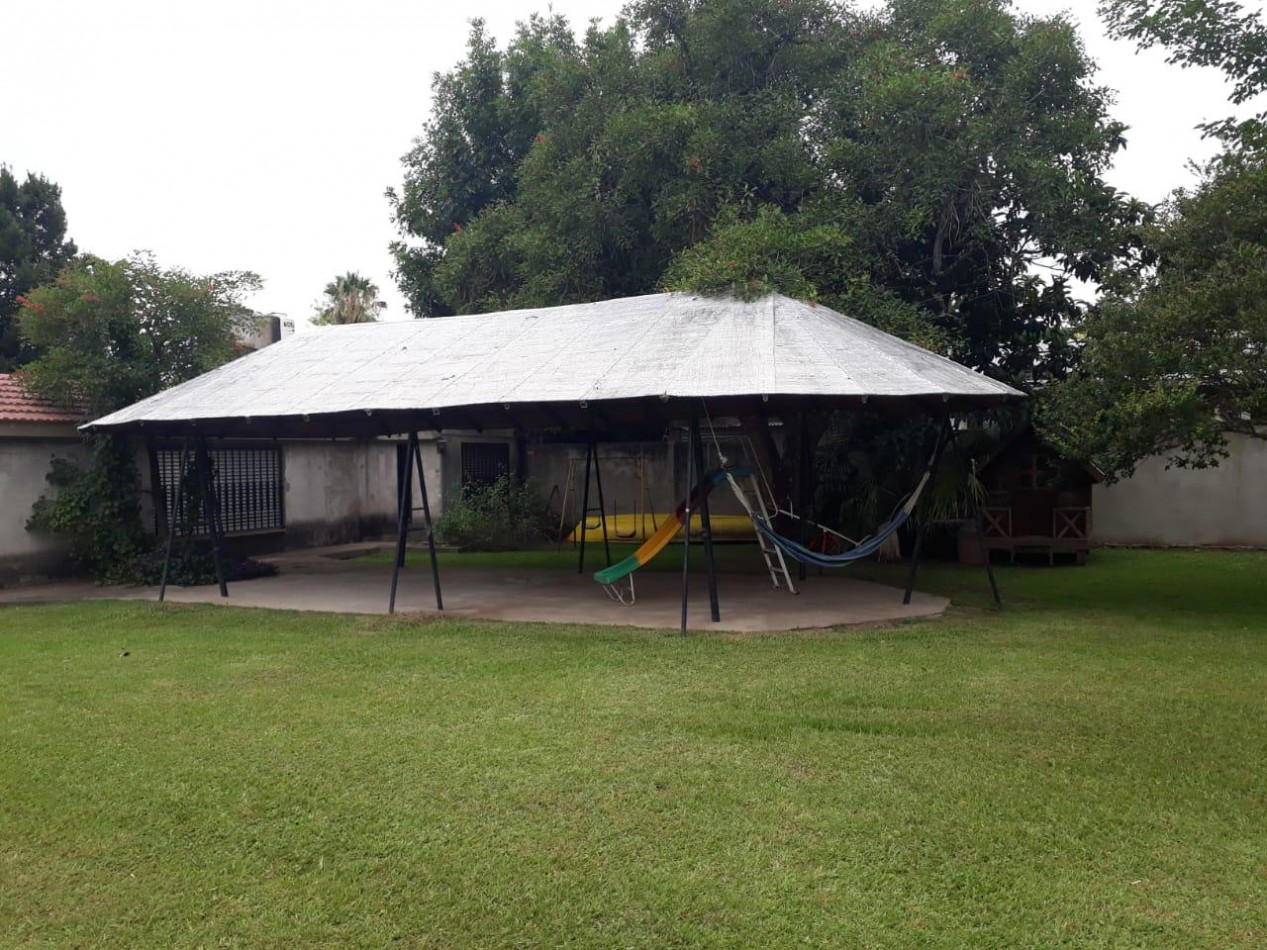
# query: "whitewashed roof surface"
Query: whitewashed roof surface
{"points": [[668, 346]]}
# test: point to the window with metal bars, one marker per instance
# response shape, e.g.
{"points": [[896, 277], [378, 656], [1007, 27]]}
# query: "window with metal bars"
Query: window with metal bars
{"points": [[248, 481], [484, 462]]}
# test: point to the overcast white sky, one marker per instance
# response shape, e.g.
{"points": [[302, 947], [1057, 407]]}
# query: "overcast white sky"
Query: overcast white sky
{"points": [[261, 134]]}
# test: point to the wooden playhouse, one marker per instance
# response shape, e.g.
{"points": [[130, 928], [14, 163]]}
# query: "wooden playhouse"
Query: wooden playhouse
{"points": [[1037, 502]]}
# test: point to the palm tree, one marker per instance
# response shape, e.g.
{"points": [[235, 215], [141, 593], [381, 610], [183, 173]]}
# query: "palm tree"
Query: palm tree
{"points": [[349, 298]]}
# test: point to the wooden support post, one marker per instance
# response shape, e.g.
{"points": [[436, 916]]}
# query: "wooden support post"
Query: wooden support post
{"points": [[710, 562], [403, 477], [975, 506], [945, 439], [404, 461], [210, 508], [686, 543], [585, 506], [945, 435], [175, 516], [416, 454], [602, 508], [914, 568], [803, 489], [974, 509]]}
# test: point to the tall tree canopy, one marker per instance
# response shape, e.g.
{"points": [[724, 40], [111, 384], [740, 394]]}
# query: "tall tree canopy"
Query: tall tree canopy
{"points": [[33, 248], [349, 298], [1175, 357], [911, 166], [1221, 34], [108, 334], [112, 333]]}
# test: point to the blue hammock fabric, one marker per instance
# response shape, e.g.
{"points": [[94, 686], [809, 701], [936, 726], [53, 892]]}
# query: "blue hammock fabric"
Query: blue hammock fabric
{"points": [[865, 549]]}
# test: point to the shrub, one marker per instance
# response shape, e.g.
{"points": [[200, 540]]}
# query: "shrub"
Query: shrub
{"points": [[96, 511], [497, 517]]}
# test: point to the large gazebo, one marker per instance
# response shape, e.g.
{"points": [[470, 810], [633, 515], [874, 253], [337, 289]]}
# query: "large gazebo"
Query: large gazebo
{"points": [[597, 372]]}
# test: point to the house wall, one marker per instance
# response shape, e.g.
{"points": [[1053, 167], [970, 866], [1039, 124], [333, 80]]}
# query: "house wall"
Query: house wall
{"points": [[664, 468], [342, 491], [338, 492], [1224, 506], [433, 470], [24, 467], [547, 467], [334, 492]]}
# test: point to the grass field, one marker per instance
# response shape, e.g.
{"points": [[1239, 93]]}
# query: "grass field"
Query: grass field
{"points": [[1085, 769]]}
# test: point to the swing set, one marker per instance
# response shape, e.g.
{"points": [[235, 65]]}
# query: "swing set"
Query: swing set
{"points": [[753, 491]]}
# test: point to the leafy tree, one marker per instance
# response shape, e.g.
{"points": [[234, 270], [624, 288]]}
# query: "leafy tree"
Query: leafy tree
{"points": [[349, 298], [1175, 357], [486, 115], [109, 334], [972, 143], [1217, 33], [112, 333], [911, 165], [33, 248], [775, 251], [1175, 360]]}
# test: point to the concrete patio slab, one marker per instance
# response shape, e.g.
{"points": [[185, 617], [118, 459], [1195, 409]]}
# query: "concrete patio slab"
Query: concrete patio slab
{"points": [[325, 583]]}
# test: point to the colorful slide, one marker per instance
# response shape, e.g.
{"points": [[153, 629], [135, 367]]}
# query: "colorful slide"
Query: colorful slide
{"points": [[668, 531]]}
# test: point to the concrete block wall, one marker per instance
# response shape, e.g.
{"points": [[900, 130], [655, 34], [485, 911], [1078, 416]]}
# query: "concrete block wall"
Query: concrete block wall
{"points": [[333, 492], [663, 465], [1223, 506], [338, 492], [24, 468]]}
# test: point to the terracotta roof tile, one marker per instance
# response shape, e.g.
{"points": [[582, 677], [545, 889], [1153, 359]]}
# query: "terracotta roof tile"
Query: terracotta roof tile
{"points": [[17, 405]]}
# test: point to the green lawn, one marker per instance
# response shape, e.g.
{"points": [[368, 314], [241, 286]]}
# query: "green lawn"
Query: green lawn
{"points": [[1085, 769]]}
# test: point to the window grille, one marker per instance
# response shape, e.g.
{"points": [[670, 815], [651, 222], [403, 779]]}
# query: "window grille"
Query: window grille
{"points": [[484, 462], [248, 482]]}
